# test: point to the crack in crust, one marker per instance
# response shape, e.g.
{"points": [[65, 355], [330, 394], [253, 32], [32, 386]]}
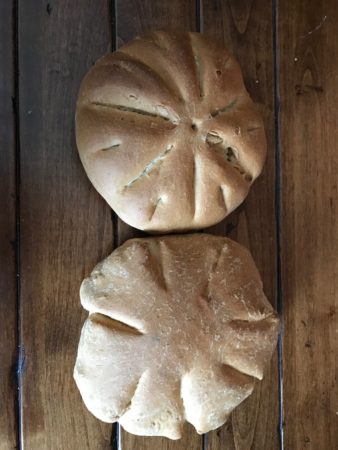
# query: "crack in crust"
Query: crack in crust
{"points": [[233, 162], [129, 404], [229, 153], [155, 163], [154, 209], [114, 324], [109, 148], [131, 110], [206, 291], [223, 198], [226, 108], [156, 254], [198, 68]]}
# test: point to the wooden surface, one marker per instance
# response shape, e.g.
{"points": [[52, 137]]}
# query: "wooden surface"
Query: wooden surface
{"points": [[65, 228], [309, 98], [8, 428]]}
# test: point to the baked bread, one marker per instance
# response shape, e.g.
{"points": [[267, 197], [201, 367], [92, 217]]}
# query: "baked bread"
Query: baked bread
{"points": [[167, 132], [178, 330]]}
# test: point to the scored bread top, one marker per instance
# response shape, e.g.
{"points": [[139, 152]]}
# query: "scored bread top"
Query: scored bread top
{"points": [[167, 132], [178, 330]]}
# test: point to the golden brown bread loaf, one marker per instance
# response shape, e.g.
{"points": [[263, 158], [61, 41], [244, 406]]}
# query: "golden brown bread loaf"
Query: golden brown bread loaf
{"points": [[178, 330], [167, 132]]}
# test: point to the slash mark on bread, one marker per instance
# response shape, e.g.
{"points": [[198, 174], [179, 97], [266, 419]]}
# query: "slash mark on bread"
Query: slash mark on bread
{"points": [[156, 253], [230, 154], [226, 108], [223, 197], [109, 148], [114, 324], [154, 164], [129, 109], [154, 208], [129, 404]]}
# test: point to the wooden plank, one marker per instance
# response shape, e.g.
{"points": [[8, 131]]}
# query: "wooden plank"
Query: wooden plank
{"points": [[309, 136], [7, 233], [65, 225], [246, 29], [150, 16]]}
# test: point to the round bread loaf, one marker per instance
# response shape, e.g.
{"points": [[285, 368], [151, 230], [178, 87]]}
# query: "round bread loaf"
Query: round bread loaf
{"points": [[167, 132], [178, 330]]}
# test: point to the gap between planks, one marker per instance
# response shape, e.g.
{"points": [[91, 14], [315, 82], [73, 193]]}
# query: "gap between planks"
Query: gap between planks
{"points": [[20, 358], [278, 212]]}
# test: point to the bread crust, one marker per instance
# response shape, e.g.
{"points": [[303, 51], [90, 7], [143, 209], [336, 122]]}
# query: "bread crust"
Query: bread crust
{"points": [[167, 132], [178, 330]]}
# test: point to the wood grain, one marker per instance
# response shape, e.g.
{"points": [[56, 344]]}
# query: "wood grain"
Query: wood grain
{"points": [[246, 29], [309, 136], [7, 233], [135, 17], [65, 225]]}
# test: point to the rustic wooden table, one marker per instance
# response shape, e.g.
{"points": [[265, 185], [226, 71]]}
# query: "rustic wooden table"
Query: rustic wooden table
{"points": [[54, 227]]}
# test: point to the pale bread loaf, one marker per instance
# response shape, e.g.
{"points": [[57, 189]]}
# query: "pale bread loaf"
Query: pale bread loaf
{"points": [[178, 330], [167, 132]]}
